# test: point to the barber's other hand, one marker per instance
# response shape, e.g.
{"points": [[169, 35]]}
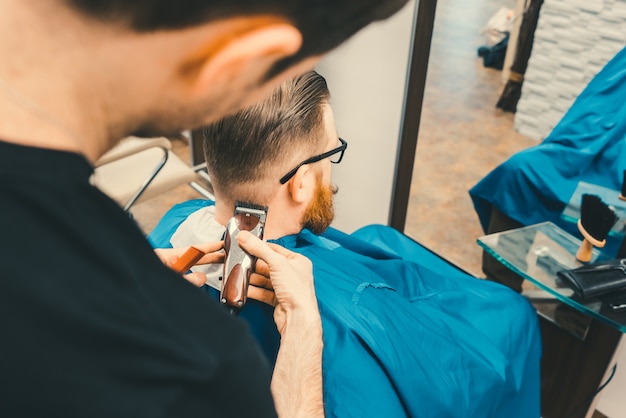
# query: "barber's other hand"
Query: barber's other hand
{"points": [[290, 277], [214, 254]]}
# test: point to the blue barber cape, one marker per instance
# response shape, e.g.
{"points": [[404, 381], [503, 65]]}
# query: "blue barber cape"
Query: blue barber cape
{"points": [[406, 333], [588, 144]]}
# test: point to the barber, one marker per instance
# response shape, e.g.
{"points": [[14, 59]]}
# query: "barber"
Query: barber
{"points": [[93, 323]]}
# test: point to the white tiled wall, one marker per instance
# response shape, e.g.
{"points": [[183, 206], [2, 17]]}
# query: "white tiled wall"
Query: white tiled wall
{"points": [[574, 39]]}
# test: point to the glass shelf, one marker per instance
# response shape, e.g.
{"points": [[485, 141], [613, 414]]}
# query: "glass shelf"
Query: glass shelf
{"points": [[571, 213], [537, 253]]}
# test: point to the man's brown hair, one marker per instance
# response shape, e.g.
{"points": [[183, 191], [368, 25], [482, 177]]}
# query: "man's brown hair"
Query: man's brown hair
{"points": [[246, 153]]}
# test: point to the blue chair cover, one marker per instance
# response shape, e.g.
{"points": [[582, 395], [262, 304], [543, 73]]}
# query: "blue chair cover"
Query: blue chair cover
{"points": [[588, 144]]}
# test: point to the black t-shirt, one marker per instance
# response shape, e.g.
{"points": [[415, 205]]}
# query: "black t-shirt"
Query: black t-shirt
{"points": [[92, 323]]}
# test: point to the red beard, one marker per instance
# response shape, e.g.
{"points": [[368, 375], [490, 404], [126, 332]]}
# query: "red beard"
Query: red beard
{"points": [[320, 213]]}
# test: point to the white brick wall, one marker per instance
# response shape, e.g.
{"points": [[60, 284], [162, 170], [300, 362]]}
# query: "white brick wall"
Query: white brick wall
{"points": [[574, 39]]}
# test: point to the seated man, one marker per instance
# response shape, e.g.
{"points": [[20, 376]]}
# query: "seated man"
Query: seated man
{"points": [[405, 333]]}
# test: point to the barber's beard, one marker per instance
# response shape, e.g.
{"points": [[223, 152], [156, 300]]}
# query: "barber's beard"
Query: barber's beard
{"points": [[320, 213]]}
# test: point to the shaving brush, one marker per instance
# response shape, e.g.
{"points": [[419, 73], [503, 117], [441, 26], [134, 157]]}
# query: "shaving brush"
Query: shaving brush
{"points": [[596, 220], [622, 195]]}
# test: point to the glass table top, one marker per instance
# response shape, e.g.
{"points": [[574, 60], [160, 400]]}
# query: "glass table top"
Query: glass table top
{"points": [[571, 213], [538, 252]]}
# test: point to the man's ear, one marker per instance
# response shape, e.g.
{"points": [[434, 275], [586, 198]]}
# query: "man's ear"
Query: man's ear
{"points": [[242, 51], [302, 185]]}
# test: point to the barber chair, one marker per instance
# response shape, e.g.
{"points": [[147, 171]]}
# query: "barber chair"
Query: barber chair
{"points": [[138, 169]]}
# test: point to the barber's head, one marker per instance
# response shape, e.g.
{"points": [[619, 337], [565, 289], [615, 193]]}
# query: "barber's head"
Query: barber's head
{"points": [[324, 24], [249, 47], [101, 70], [279, 152]]}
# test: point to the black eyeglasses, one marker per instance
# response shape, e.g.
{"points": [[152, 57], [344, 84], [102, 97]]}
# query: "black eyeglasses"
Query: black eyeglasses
{"points": [[337, 153]]}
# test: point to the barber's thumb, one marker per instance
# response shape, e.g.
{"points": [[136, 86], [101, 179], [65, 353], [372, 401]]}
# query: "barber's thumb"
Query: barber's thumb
{"points": [[255, 246]]}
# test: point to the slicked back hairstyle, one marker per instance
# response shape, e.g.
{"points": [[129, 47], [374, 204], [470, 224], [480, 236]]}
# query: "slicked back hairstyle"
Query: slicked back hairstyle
{"points": [[324, 24], [253, 147]]}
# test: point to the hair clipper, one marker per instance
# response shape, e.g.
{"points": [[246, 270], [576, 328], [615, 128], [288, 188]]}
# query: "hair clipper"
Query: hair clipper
{"points": [[238, 264]]}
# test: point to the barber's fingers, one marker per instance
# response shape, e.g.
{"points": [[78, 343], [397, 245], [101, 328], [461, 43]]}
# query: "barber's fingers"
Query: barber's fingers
{"points": [[298, 262], [261, 268], [261, 287], [195, 278], [212, 258], [263, 295], [282, 250], [209, 247], [213, 250], [291, 274], [258, 248], [261, 280], [273, 255]]}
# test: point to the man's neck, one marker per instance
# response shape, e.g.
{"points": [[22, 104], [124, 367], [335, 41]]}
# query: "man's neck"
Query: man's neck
{"points": [[281, 221], [26, 122]]}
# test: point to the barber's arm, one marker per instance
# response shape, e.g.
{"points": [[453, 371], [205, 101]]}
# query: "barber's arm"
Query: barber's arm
{"points": [[297, 379]]}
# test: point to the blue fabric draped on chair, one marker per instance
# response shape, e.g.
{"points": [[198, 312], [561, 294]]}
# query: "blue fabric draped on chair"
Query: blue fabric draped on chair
{"points": [[588, 144]]}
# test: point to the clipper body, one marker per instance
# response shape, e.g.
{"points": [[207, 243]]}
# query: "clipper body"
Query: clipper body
{"points": [[239, 265]]}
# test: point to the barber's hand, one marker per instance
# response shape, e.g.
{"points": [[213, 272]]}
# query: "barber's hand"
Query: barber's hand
{"points": [[297, 378], [214, 254], [283, 279]]}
